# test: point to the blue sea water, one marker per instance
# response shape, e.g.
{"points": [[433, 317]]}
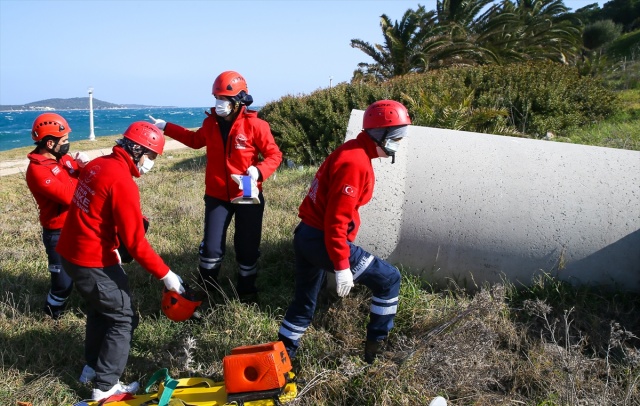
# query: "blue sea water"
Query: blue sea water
{"points": [[15, 126]]}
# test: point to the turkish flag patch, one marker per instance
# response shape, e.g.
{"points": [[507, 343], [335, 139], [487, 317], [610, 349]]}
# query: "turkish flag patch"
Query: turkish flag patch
{"points": [[349, 190]]}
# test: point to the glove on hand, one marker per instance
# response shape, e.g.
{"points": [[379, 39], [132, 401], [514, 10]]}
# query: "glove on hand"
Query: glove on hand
{"points": [[82, 159], [344, 281], [254, 192], [253, 172], [173, 282], [158, 122]]}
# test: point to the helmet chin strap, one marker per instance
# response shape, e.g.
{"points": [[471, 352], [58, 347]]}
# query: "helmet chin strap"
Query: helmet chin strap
{"points": [[53, 151], [135, 151], [380, 144]]}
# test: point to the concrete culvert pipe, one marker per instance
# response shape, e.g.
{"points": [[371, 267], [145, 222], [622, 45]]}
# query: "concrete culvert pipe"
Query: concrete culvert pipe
{"points": [[477, 208]]}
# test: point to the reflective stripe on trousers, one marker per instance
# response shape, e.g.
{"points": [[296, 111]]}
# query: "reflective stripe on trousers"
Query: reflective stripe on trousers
{"points": [[312, 264], [61, 283]]}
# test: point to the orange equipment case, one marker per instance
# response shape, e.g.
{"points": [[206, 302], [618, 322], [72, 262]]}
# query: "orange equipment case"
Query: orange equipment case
{"points": [[252, 368]]}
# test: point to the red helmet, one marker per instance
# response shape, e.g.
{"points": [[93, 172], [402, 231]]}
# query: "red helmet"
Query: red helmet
{"points": [[49, 124], [229, 83], [179, 307], [146, 135], [385, 113]]}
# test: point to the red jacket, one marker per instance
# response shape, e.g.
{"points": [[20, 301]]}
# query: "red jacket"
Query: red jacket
{"points": [[248, 138], [52, 184], [106, 204], [344, 182]]}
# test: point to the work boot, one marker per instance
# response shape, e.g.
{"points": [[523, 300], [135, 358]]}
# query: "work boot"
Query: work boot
{"points": [[246, 287], [209, 278], [116, 389], [55, 312], [372, 349], [288, 345]]}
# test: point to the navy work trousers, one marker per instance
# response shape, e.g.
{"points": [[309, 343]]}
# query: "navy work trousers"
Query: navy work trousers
{"points": [[248, 232], [61, 283], [312, 264], [111, 320]]}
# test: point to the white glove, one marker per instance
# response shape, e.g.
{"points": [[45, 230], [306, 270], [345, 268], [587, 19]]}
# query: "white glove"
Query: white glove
{"points": [[253, 172], [158, 122], [344, 281], [255, 192], [173, 282], [82, 159]]}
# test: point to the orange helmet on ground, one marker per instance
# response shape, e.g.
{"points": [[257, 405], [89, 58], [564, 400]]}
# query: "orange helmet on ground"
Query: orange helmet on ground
{"points": [[229, 83], [179, 307], [385, 113], [146, 135], [49, 124]]}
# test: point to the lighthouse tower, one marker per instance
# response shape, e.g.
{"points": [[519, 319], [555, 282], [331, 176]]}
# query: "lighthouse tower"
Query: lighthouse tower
{"points": [[92, 136]]}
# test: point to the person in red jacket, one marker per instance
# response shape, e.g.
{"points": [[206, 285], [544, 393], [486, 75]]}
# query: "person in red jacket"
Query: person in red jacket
{"points": [[323, 241], [235, 139], [52, 176], [106, 211]]}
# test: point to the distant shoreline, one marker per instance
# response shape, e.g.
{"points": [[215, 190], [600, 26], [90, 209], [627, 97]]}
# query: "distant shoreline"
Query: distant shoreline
{"points": [[45, 109], [74, 103]]}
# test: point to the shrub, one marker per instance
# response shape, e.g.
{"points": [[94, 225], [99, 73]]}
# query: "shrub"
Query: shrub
{"points": [[525, 99], [600, 33]]}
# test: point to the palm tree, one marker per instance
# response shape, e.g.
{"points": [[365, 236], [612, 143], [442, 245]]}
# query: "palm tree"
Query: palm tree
{"points": [[548, 31], [463, 21], [401, 52], [471, 32]]}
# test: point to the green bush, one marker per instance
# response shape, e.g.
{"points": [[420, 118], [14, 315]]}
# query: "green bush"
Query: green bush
{"points": [[600, 33], [526, 99], [625, 46]]}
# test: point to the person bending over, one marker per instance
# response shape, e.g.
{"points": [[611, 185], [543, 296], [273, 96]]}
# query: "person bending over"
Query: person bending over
{"points": [[323, 240], [104, 213]]}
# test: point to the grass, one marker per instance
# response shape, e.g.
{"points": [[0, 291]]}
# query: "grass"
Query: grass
{"points": [[620, 131], [545, 344]]}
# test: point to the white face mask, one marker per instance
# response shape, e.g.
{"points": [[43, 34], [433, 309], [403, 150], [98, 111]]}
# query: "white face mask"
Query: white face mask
{"points": [[146, 166], [223, 108], [392, 145]]}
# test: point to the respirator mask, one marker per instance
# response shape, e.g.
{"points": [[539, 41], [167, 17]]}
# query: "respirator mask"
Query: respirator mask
{"points": [[146, 165], [223, 107]]}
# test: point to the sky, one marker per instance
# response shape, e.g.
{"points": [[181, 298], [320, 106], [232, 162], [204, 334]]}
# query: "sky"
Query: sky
{"points": [[168, 53]]}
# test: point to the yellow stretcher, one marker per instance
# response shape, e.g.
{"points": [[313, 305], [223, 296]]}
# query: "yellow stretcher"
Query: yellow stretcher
{"points": [[203, 392], [258, 375]]}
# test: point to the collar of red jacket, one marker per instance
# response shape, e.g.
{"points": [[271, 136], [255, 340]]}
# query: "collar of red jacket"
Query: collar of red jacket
{"points": [[123, 155], [36, 157], [368, 144]]}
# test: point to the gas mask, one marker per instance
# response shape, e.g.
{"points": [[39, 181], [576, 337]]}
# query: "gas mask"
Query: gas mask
{"points": [[146, 166], [223, 107]]}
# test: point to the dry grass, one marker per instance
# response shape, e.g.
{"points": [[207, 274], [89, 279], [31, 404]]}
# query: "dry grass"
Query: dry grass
{"points": [[548, 344]]}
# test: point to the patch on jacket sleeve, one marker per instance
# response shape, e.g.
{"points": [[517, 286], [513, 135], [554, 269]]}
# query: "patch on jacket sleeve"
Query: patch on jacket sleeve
{"points": [[349, 190]]}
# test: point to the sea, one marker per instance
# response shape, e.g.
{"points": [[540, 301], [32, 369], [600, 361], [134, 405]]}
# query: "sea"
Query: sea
{"points": [[15, 126]]}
